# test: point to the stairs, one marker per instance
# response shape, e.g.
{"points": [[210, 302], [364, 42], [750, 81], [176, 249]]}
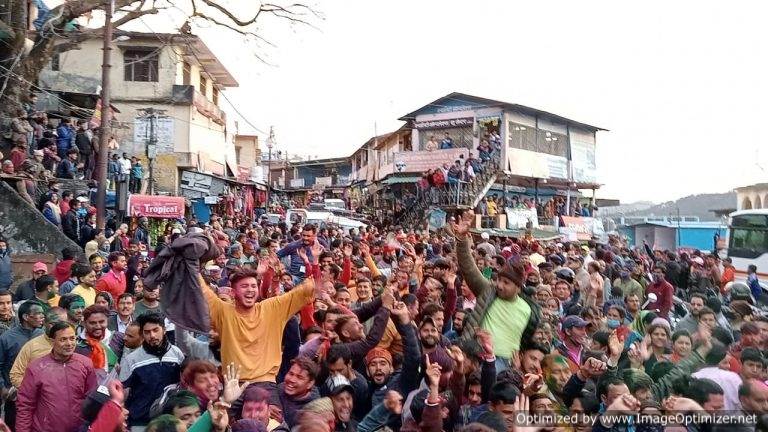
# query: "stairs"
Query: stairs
{"points": [[458, 196]]}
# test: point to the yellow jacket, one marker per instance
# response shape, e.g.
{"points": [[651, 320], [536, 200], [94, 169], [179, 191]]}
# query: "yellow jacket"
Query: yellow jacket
{"points": [[34, 349]]}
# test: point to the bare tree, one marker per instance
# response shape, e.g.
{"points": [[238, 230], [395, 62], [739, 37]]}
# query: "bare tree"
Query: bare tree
{"points": [[21, 64]]}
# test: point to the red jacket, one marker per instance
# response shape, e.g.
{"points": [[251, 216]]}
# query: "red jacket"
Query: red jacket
{"points": [[664, 293], [52, 394]]}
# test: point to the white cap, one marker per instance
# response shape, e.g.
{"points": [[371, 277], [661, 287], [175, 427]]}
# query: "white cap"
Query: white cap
{"points": [[485, 236], [176, 231]]}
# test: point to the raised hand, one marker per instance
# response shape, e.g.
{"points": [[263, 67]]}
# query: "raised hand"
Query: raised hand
{"points": [[393, 402], [116, 391], [348, 250], [400, 310], [615, 346], [532, 383], [219, 416], [458, 357], [485, 340], [302, 253], [365, 250], [461, 227], [593, 368], [624, 404], [232, 387], [433, 373], [387, 299]]}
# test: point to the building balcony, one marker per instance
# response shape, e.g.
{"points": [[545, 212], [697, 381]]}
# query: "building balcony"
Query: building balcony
{"points": [[186, 94]]}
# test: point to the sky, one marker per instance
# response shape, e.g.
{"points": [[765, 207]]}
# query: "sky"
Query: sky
{"points": [[681, 85]]}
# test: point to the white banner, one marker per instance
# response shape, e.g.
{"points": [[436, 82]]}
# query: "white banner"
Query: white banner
{"points": [[519, 218]]}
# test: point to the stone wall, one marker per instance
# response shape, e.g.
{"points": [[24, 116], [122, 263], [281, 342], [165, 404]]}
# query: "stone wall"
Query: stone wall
{"points": [[25, 228]]}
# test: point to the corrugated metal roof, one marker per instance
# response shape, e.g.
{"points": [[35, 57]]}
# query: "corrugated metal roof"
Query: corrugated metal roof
{"points": [[712, 225]]}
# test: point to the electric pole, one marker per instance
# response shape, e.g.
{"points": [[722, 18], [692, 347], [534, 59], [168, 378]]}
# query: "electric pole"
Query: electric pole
{"points": [[104, 127], [151, 115]]}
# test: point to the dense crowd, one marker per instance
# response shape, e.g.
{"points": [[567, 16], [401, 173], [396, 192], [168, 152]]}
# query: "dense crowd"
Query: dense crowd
{"points": [[233, 325]]}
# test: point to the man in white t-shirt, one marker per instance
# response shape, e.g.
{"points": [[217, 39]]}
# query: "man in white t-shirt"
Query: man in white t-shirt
{"points": [[125, 167]]}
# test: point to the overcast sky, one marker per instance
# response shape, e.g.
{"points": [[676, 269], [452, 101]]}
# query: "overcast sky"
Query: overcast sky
{"points": [[681, 85]]}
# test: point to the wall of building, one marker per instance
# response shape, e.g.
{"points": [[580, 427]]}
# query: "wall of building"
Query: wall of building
{"points": [[700, 238], [752, 198], [249, 153]]}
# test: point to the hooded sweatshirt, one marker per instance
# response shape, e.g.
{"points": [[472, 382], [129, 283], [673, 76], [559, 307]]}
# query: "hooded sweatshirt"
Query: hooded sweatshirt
{"points": [[292, 406], [62, 271]]}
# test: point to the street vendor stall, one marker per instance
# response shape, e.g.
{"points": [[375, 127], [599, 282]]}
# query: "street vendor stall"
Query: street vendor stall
{"points": [[160, 210]]}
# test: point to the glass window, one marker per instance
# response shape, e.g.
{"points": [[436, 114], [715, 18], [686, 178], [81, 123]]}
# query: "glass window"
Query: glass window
{"points": [[187, 73], [748, 243], [141, 65], [203, 86]]}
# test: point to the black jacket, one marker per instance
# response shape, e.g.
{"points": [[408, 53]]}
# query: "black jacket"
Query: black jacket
{"points": [[83, 143], [177, 269], [70, 224]]}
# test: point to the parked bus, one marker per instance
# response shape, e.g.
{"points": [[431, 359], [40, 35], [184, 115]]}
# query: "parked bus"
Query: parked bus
{"points": [[748, 243]]}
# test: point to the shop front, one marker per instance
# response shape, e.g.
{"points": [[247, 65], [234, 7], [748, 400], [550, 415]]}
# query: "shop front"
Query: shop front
{"points": [[211, 194], [160, 210]]}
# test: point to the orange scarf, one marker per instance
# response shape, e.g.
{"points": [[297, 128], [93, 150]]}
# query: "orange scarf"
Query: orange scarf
{"points": [[98, 354]]}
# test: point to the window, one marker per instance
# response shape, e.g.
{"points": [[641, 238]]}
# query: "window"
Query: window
{"points": [[215, 96], [203, 86], [748, 236], [141, 65], [56, 62], [187, 74]]}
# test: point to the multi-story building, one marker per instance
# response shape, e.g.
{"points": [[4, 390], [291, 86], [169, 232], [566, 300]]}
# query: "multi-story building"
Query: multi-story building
{"points": [[176, 74]]}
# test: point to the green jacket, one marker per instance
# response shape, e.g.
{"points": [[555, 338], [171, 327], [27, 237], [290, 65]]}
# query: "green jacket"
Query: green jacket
{"points": [[485, 293]]}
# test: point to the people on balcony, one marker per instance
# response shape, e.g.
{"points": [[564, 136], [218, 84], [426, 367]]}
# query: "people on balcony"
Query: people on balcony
{"points": [[447, 142]]}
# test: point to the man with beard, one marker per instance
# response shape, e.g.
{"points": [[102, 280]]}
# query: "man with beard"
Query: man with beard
{"points": [[351, 331], [500, 309], [149, 369], [114, 281], [381, 373], [429, 335], [298, 389], [690, 322], [55, 386], [458, 324], [574, 337], [309, 245], [342, 395], [97, 342]]}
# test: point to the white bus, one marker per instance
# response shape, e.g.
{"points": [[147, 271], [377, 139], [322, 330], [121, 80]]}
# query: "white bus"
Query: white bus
{"points": [[748, 243]]}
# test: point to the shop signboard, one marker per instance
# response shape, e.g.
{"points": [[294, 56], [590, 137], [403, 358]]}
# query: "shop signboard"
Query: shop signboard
{"points": [[156, 206], [445, 124], [423, 161], [297, 183], [519, 218], [163, 131], [528, 163], [324, 181], [583, 228]]}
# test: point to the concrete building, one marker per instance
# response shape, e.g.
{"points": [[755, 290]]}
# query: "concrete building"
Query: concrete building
{"points": [[752, 197], [176, 73], [668, 234]]}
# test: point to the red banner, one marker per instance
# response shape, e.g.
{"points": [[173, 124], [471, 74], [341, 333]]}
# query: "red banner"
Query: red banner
{"points": [[156, 206]]}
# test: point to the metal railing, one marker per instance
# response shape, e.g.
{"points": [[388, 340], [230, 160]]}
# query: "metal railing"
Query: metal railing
{"points": [[459, 194]]}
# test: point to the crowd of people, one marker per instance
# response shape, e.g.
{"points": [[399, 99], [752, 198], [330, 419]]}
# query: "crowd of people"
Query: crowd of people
{"points": [[251, 326]]}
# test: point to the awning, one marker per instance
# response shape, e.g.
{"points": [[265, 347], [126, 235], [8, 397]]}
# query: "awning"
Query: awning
{"points": [[399, 180], [156, 206]]}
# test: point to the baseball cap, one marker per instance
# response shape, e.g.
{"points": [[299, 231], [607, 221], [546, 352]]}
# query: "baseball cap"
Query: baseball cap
{"points": [[38, 153], [40, 266], [698, 260], [573, 321], [337, 384], [485, 236]]}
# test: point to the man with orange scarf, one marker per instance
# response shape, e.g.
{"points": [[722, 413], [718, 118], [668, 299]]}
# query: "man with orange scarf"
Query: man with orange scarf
{"points": [[95, 341]]}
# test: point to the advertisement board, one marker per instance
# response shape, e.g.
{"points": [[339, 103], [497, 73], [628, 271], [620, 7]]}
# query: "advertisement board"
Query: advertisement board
{"points": [[156, 206]]}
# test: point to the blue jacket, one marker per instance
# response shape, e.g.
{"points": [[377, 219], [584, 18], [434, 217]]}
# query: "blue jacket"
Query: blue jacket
{"points": [[147, 375], [66, 136], [6, 272], [291, 249], [10, 344], [754, 286]]}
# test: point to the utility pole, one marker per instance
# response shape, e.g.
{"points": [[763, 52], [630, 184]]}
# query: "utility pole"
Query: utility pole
{"points": [[151, 114], [270, 144], [104, 129]]}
